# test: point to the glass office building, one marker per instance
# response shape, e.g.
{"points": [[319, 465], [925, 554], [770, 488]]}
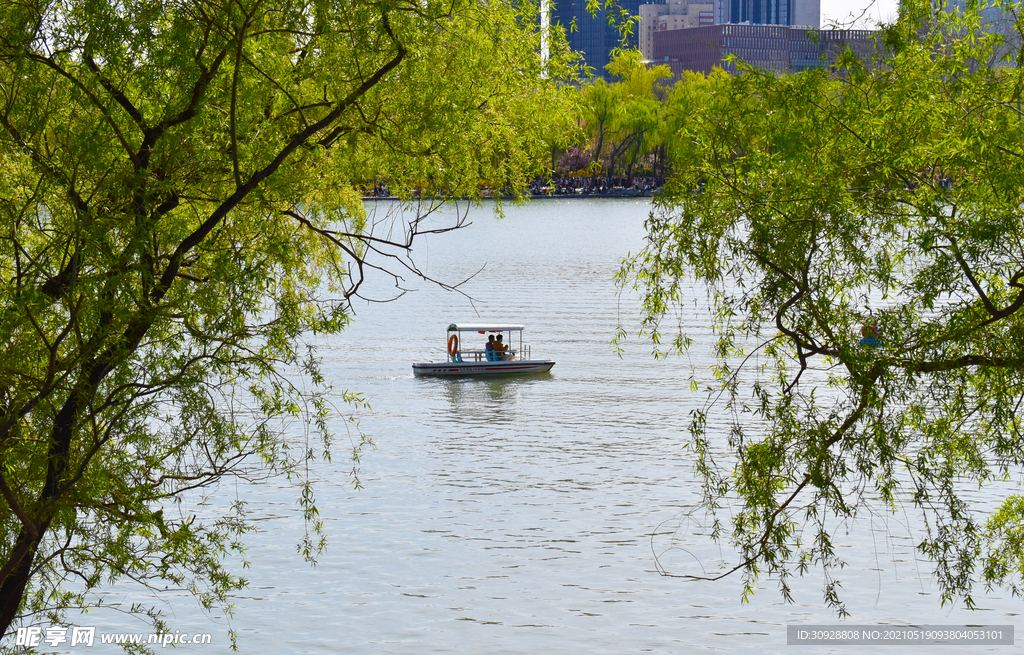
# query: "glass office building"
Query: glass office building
{"points": [[592, 35], [805, 13], [758, 12]]}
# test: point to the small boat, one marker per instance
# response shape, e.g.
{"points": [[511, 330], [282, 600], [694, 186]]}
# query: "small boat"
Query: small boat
{"points": [[482, 360]]}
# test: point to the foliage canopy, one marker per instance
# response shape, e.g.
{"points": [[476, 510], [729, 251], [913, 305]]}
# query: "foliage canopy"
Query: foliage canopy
{"points": [[624, 119], [813, 209], [177, 214]]}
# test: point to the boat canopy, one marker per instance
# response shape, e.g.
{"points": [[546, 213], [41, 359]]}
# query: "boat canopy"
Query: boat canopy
{"points": [[485, 327]]}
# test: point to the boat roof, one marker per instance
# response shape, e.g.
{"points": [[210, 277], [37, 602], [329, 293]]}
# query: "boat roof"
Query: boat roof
{"points": [[485, 327]]}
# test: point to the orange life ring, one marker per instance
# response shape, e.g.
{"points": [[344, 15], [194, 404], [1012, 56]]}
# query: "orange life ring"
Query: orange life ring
{"points": [[453, 345]]}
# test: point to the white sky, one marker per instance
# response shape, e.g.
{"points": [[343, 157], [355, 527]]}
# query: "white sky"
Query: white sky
{"points": [[868, 12]]}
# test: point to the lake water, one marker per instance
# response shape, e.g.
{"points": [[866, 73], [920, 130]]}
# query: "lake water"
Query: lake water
{"points": [[516, 515]]}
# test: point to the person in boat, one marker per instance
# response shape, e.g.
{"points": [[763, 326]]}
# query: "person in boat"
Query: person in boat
{"points": [[871, 336], [501, 349], [489, 353]]}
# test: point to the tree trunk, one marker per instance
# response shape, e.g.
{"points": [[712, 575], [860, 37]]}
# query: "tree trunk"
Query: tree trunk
{"points": [[15, 579], [13, 588]]}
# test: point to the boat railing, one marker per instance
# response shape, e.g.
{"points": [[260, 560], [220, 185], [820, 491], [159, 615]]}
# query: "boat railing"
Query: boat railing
{"points": [[481, 355]]}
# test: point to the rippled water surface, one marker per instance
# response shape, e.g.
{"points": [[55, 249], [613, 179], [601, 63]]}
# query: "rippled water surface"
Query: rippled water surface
{"points": [[516, 515]]}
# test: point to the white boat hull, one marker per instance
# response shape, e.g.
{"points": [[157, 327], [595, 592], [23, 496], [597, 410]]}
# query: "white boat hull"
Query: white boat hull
{"points": [[484, 368]]}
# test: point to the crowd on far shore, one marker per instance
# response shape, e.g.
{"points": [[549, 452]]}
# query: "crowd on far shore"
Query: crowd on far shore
{"points": [[563, 185], [597, 185]]}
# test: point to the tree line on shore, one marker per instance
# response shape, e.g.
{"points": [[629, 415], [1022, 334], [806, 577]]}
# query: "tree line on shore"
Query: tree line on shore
{"points": [[614, 137]]}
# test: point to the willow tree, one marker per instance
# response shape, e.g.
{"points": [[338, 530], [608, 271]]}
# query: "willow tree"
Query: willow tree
{"points": [[624, 118], [177, 214], [858, 235], [638, 114]]}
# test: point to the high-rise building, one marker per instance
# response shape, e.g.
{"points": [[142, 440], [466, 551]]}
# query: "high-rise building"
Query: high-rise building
{"points": [[779, 48], [674, 15], [595, 37], [769, 12], [993, 18], [591, 34], [806, 13]]}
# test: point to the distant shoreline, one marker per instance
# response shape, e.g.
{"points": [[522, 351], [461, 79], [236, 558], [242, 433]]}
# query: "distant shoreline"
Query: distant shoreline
{"points": [[567, 196]]}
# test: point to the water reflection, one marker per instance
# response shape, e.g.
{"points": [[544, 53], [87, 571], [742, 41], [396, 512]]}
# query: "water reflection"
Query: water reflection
{"points": [[490, 399]]}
